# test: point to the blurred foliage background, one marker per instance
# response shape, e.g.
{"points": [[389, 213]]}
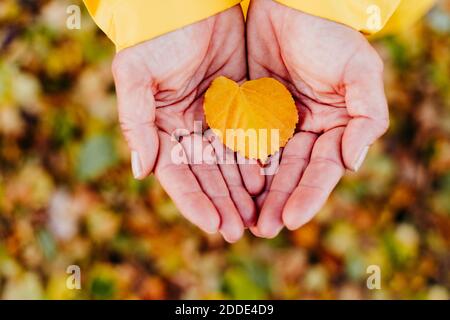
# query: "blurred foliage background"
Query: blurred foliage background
{"points": [[67, 196]]}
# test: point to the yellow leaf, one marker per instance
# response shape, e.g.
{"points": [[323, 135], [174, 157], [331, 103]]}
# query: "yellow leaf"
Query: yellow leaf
{"points": [[255, 119]]}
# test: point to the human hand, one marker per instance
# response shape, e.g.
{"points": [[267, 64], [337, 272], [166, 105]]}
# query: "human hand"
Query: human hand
{"points": [[160, 86], [335, 77]]}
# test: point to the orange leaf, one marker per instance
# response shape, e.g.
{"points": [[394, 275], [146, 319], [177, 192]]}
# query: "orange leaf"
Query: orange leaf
{"points": [[255, 119]]}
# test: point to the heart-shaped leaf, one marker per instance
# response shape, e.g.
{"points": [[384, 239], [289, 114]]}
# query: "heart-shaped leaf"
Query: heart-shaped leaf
{"points": [[255, 119]]}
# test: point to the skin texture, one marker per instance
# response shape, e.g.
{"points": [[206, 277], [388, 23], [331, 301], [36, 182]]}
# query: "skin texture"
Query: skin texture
{"points": [[160, 86], [335, 77]]}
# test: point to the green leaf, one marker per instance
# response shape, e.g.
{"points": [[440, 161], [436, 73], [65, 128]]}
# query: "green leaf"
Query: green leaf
{"points": [[240, 285], [47, 244], [97, 155], [103, 288]]}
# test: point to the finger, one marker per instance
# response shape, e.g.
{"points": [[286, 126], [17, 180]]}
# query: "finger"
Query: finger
{"points": [[182, 186], [294, 160], [250, 171], [366, 104], [202, 160], [228, 166], [260, 203], [269, 171], [323, 172], [136, 114]]}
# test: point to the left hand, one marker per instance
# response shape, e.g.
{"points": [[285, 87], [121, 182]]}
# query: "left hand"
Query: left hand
{"points": [[160, 86]]}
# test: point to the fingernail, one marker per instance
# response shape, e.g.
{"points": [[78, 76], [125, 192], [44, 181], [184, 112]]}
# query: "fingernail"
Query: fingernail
{"points": [[136, 166], [361, 158], [211, 226], [255, 231]]}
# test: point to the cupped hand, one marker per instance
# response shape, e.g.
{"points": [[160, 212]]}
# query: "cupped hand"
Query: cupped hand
{"points": [[335, 77], [160, 86]]}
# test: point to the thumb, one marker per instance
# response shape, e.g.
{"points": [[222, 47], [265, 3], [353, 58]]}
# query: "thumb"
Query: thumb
{"points": [[136, 114], [366, 104]]}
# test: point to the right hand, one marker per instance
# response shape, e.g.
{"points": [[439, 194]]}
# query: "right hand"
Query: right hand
{"points": [[336, 79]]}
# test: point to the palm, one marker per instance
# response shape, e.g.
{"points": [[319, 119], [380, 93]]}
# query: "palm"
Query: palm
{"points": [[183, 64], [160, 86], [335, 78]]}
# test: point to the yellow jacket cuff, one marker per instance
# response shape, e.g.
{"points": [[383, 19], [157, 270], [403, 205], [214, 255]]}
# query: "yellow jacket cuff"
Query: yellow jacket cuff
{"points": [[129, 22], [367, 16]]}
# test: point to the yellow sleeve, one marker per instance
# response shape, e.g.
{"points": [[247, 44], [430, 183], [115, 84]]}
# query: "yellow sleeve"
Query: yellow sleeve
{"points": [[245, 4], [367, 16], [129, 22]]}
